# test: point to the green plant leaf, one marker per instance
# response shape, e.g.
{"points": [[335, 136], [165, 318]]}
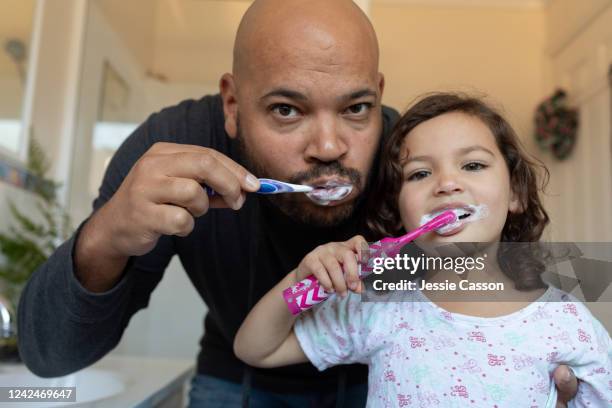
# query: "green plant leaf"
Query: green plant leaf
{"points": [[30, 240]]}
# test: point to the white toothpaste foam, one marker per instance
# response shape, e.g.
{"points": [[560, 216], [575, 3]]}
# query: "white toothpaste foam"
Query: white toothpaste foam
{"points": [[477, 212], [329, 192]]}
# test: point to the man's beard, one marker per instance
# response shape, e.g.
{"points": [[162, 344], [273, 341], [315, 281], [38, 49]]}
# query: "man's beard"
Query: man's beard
{"points": [[295, 205]]}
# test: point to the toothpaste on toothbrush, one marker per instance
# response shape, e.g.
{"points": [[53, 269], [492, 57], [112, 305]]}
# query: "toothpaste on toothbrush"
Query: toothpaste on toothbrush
{"points": [[469, 213], [330, 191]]}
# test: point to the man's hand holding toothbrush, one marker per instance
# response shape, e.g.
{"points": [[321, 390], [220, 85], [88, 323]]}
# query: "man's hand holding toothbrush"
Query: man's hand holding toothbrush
{"points": [[161, 195]]}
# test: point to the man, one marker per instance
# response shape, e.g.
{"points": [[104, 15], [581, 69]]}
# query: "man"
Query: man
{"points": [[303, 104]]}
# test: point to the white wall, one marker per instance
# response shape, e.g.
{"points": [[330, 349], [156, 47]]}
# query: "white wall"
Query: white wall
{"points": [[567, 18], [102, 45], [498, 51], [11, 98], [17, 24], [136, 17], [55, 90], [580, 199], [194, 39], [160, 94], [580, 192]]}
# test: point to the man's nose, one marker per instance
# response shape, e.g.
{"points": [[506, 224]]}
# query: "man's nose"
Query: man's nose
{"points": [[448, 183], [326, 144]]}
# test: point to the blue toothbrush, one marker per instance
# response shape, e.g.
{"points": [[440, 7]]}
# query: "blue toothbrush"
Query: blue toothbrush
{"points": [[269, 186]]}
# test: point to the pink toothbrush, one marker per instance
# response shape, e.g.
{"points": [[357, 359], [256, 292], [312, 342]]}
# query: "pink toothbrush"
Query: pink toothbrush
{"points": [[308, 292]]}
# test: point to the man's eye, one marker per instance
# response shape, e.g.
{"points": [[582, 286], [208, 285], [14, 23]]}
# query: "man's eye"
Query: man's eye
{"points": [[284, 111], [359, 108], [419, 175], [474, 166]]}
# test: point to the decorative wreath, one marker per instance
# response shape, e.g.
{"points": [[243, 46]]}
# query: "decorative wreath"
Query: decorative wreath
{"points": [[556, 125]]}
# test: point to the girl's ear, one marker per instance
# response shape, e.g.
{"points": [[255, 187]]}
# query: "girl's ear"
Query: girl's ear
{"points": [[515, 206]]}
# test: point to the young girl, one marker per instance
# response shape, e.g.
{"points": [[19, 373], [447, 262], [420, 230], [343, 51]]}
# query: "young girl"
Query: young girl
{"points": [[448, 152]]}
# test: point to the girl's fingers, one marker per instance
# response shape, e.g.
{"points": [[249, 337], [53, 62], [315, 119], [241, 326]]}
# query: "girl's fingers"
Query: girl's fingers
{"points": [[335, 265], [351, 269], [359, 245], [324, 279], [334, 269], [313, 266]]}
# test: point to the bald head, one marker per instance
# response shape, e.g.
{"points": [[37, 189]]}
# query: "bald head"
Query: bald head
{"points": [[332, 31]]}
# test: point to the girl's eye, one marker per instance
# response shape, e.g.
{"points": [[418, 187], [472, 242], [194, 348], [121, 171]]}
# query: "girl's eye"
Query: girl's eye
{"points": [[284, 111], [359, 108], [419, 175], [474, 166]]}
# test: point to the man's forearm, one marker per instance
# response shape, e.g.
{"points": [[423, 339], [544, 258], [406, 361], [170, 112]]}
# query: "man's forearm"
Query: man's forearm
{"points": [[97, 267]]}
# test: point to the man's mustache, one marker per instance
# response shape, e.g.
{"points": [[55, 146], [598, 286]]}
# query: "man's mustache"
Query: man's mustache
{"points": [[334, 169]]}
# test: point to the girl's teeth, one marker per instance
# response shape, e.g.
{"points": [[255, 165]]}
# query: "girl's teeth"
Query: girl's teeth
{"points": [[462, 214]]}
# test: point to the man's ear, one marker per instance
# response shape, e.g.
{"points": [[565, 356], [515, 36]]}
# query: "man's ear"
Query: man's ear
{"points": [[227, 86], [381, 84]]}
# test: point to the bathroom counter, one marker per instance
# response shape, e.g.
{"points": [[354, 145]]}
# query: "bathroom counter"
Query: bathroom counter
{"points": [[115, 381]]}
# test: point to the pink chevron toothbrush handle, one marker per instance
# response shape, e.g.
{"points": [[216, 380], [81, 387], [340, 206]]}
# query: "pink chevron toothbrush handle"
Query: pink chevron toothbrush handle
{"points": [[308, 292], [304, 294]]}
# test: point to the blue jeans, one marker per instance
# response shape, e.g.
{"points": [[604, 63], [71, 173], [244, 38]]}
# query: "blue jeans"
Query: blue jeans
{"points": [[212, 392]]}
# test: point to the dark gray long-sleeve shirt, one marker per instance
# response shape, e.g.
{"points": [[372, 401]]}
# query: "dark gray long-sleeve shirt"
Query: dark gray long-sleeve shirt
{"points": [[232, 258]]}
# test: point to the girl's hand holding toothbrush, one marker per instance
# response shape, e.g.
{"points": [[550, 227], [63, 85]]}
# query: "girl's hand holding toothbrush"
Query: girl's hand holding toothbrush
{"points": [[266, 338], [335, 266]]}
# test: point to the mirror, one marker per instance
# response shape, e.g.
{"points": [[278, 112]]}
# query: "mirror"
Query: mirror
{"points": [[16, 27]]}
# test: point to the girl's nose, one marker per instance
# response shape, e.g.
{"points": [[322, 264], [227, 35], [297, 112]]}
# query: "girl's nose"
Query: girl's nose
{"points": [[448, 184]]}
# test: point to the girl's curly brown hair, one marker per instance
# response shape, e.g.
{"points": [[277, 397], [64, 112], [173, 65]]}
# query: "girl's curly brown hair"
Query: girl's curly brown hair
{"points": [[524, 227]]}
